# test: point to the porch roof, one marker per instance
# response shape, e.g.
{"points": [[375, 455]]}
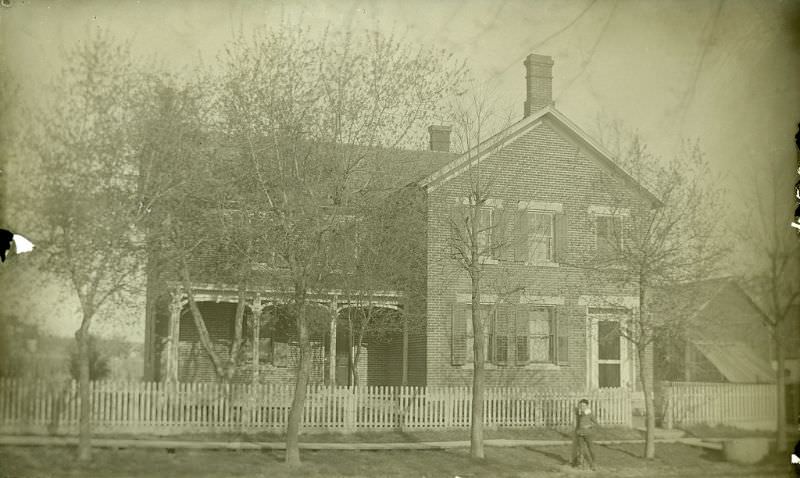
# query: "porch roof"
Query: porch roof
{"points": [[230, 293]]}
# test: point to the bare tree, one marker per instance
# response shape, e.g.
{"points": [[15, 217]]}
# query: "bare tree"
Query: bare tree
{"points": [[381, 252], [477, 236], [294, 105], [772, 256], [85, 141], [653, 246]]}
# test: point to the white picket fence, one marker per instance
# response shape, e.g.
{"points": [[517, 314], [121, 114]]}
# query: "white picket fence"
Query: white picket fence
{"points": [[750, 406], [159, 408]]}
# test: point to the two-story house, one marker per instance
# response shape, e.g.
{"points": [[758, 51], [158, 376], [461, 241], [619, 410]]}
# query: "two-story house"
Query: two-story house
{"points": [[550, 322]]}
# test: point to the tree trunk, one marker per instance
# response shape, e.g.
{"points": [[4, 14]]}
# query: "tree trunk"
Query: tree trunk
{"points": [[780, 391], [404, 380], [649, 404], [84, 426], [199, 323], [354, 365], [476, 424], [298, 402], [358, 345]]}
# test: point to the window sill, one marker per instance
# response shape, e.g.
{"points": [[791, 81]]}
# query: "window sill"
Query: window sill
{"points": [[530, 366], [487, 260]]}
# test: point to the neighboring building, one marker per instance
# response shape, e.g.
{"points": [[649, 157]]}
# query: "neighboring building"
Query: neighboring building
{"points": [[558, 330], [722, 339]]}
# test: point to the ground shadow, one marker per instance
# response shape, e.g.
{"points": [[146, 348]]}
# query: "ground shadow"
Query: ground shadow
{"points": [[554, 456], [713, 456], [620, 449]]}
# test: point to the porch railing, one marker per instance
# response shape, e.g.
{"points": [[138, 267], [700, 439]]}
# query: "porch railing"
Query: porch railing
{"points": [[161, 408]]}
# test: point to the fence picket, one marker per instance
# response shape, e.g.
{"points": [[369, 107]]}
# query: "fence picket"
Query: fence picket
{"points": [[42, 407]]}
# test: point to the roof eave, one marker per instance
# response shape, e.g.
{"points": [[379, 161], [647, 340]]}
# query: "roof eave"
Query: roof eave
{"points": [[519, 127]]}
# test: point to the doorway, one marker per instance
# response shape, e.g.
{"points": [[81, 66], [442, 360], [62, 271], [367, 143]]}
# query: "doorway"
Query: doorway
{"points": [[609, 354]]}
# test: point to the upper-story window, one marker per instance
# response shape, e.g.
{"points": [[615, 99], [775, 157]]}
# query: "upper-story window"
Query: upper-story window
{"points": [[541, 236], [609, 234], [489, 229], [541, 233], [484, 230]]}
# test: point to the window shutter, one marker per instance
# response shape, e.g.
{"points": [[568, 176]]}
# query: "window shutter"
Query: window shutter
{"points": [[459, 336], [490, 325], [455, 223], [562, 334], [521, 243], [499, 224], [521, 336], [560, 237]]}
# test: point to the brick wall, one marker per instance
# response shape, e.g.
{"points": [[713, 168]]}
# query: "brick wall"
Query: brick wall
{"points": [[541, 165]]}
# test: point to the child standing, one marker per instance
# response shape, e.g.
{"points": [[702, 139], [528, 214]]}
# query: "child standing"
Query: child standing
{"points": [[582, 444]]}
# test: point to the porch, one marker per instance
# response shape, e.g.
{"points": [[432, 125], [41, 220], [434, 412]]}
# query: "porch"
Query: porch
{"points": [[269, 349]]}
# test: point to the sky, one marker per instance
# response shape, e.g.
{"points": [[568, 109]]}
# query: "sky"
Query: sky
{"points": [[724, 72]]}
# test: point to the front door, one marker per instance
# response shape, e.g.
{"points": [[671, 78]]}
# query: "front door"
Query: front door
{"points": [[608, 354], [610, 365]]}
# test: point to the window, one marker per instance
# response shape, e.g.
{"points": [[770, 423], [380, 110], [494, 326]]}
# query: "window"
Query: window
{"points": [[609, 234], [540, 238], [540, 335], [515, 335], [541, 233], [522, 336], [484, 230], [535, 335], [470, 352]]}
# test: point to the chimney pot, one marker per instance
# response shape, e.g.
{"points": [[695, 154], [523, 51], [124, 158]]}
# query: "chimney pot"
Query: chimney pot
{"points": [[539, 81], [439, 138]]}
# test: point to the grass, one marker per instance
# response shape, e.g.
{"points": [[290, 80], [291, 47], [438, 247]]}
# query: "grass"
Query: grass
{"points": [[618, 460], [391, 436]]}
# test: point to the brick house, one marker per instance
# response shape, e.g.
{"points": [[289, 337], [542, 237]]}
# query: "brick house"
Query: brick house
{"points": [[558, 329]]}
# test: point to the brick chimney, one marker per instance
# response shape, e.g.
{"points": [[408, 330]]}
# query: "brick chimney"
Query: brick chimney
{"points": [[539, 79], [439, 138]]}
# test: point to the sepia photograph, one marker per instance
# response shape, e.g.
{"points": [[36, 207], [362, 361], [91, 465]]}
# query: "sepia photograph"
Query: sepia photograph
{"points": [[387, 238]]}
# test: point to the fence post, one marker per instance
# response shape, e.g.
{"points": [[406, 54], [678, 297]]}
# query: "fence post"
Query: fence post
{"points": [[349, 410]]}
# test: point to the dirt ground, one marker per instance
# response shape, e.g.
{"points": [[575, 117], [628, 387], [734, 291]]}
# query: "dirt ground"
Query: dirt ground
{"points": [[673, 460]]}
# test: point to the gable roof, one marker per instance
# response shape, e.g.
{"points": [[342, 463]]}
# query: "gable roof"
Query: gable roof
{"points": [[562, 124]]}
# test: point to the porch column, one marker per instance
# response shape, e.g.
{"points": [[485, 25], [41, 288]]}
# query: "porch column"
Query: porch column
{"points": [[173, 339], [332, 345], [257, 309]]}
